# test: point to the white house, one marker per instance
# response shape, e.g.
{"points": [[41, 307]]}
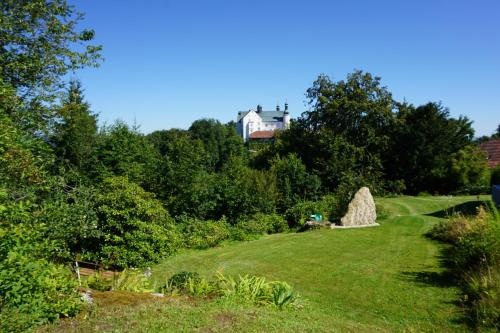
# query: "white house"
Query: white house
{"points": [[261, 125]]}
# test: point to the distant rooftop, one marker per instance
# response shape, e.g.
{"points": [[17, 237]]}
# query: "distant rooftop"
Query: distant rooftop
{"points": [[262, 135], [267, 116], [492, 148]]}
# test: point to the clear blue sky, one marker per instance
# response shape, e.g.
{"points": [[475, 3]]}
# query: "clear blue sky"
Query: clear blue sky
{"points": [[168, 63]]}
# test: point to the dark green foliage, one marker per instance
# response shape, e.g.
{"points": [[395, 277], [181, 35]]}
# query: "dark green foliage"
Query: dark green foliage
{"points": [[347, 129], [75, 136], [293, 182], [220, 141], [136, 229], [244, 191], [33, 290], [301, 212], [71, 222], [200, 234], [259, 224], [183, 180], [424, 164], [123, 151]]}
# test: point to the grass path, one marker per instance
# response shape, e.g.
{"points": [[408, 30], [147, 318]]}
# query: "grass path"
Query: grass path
{"points": [[384, 279]]}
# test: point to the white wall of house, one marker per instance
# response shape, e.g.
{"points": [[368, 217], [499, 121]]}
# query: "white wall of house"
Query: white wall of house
{"points": [[252, 122]]}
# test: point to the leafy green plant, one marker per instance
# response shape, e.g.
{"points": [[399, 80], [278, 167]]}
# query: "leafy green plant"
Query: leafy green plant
{"points": [[32, 290], [97, 282], [199, 287], [132, 280], [200, 234], [299, 213], [257, 290], [189, 283], [135, 229], [259, 224], [283, 295]]}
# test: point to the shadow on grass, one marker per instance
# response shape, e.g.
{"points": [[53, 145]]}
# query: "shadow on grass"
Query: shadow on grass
{"points": [[430, 278], [466, 209], [443, 279]]}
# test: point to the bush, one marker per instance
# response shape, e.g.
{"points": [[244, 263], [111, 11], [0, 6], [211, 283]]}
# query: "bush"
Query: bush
{"points": [[71, 222], [135, 228], [300, 213], [451, 231], [477, 248], [473, 190], [33, 291], [200, 234], [328, 207], [260, 224], [474, 258], [482, 290]]}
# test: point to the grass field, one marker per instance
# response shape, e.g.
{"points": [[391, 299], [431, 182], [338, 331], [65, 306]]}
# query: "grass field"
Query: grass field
{"points": [[384, 279]]}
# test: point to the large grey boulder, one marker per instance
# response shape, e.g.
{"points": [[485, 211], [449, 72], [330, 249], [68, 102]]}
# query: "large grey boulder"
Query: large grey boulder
{"points": [[361, 211]]}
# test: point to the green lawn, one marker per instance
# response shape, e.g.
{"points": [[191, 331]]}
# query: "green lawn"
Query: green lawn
{"points": [[384, 279]]}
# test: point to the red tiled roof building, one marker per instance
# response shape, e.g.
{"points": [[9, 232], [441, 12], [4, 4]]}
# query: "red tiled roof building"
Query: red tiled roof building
{"points": [[492, 149]]}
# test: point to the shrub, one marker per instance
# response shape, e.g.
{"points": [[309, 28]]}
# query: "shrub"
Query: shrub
{"points": [[200, 234], [300, 213], [71, 222], [482, 290], [476, 248], [474, 258], [448, 231], [260, 224], [135, 228], [179, 279], [33, 291]]}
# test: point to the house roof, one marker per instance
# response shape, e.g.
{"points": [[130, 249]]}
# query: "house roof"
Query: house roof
{"points": [[267, 116], [262, 135], [241, 114], [492, 148]]}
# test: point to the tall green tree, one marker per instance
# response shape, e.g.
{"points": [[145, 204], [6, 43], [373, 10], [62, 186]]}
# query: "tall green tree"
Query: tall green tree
{"points": [[123, 151], [75, 135], [345, 132], [424, 139], [40, 42], [293, 182], [220, 140]]}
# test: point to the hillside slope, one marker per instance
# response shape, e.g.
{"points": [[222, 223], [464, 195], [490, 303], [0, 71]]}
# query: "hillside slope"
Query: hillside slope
{"points": [[384, 279]]}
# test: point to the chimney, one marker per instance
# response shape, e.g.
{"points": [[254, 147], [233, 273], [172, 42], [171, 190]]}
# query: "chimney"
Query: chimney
{"points": [[277, 107], [286, 107], [259, 108]]}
